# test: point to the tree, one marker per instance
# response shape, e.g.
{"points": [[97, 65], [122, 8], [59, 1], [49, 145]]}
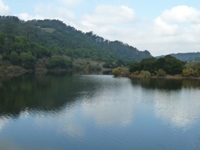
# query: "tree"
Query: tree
{"points": [[170, 64], [28, 60], [59, 62], [160, 72], [148, 64], [119, 71], [134, 67], [14, 58], [145, 74]]}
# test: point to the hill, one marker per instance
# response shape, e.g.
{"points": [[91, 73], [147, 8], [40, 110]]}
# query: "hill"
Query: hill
{"points": [[59, 39], [188, 57]]}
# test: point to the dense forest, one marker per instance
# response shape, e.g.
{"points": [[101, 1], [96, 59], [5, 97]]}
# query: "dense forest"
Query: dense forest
{"points": [[52, 44]]}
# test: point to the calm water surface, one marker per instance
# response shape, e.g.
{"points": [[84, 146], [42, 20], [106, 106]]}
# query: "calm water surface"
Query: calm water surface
{"points": [[99, 112]]}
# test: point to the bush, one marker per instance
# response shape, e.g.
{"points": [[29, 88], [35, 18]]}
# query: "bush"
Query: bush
{"points": [[119, 71], [14, 58], [59, 62], [145, 74], [116, 72], [160, 72], [28, 60], [186, 72]]}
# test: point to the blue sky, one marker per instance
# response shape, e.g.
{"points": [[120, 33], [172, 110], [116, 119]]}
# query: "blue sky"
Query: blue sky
{"points": [[162, 27]]}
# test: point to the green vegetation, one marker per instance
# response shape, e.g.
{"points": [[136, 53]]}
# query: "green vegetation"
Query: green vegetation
{"points": [[120, 72], [160, 73], [25, 44], [59, 62], [160, 67], [192, 69]]}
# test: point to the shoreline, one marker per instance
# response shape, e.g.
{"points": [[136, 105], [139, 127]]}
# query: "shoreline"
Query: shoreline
{"points": [[175, 77]]}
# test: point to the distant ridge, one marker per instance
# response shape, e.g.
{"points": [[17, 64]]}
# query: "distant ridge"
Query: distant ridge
{"points": [[191, 56]]}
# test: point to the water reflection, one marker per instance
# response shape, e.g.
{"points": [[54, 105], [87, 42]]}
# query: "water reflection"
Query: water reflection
{"points": [[167, 84], [36, 93], [59, 112], [3, 122], [162, 84], [179, 109], [112, 104], [176, 102], [64, 122]]}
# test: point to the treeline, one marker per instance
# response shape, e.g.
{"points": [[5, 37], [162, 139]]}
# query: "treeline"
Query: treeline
{"points": [[25, 43], [161, 67], [165, 65]]}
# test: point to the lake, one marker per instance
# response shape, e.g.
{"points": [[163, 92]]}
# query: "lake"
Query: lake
{"points": [[99, 112]]}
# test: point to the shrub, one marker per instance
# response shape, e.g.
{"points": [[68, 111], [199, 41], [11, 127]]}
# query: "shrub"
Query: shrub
{"points": [[186, 72], [116, 72], [59, 62], [145, 74], [160, 72], [28, 60], [119, 71]]}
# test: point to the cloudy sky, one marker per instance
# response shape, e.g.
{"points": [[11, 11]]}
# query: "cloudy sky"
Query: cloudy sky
{"points": [[162, 27]]}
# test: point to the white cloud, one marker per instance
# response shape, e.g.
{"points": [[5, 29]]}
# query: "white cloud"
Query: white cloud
{"points": [[109, 15], [51, 11], [4, 10], [163, 28], [181, 14], [25, 16]]}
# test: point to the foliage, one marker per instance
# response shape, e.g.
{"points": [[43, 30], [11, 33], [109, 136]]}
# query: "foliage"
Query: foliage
{"points": [[15, 58], [170, 64], [135, 66], [186, 72], [145, 74], [59, 62], [167, 65], [28, 60], [191, 69], [148, 64], [160, 72], [52, 37], [119, 71]]}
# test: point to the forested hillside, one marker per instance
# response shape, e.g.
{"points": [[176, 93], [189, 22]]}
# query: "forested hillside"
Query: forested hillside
{"points": [[25, 43]]}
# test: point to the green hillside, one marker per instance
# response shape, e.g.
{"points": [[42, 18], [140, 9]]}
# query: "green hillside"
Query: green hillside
{"points": [[25, 43]]}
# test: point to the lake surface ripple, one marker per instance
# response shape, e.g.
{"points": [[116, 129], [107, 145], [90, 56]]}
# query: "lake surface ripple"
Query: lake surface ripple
{"points": [[99, 112]]}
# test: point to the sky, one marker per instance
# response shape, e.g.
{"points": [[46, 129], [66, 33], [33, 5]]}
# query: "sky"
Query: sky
{"points": [[161, 27]]}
